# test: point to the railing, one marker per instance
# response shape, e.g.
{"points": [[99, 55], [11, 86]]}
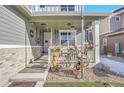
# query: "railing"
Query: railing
{"points": [[68, 57], [53, 8]]}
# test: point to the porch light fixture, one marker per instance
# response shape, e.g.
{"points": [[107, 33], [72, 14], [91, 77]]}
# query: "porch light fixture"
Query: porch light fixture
{"points": [[43, 24], [72, 27], [68, 24]]}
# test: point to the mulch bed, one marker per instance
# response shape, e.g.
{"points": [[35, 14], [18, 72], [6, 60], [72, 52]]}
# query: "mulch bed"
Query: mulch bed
{"points": [[22, 84], [90, 75]]}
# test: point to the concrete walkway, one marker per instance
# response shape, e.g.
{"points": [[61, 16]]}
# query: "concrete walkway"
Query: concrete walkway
{"points": [[27, 77], [35, 75], [115, 65]]}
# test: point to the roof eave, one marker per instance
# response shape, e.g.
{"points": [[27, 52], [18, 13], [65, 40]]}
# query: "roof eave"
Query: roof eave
{"points": [[97, 13]]}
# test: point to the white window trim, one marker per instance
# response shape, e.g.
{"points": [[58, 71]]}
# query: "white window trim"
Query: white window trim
{"points": [[60, 31]]}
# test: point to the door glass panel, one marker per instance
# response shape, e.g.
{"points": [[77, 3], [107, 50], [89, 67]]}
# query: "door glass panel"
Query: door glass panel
{"points": [[64, 38], [71, 39]]}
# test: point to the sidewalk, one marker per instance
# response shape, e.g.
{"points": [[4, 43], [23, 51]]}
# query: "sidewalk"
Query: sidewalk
{"points": [[114, 63], [117, 59]]}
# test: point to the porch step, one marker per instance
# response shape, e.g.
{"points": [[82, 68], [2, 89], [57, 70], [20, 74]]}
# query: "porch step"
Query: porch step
{"points": [[21, 77], [43, 59], [38, 64]]}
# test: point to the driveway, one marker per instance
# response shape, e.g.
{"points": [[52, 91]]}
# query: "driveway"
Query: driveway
{"points": [[114, 65]]}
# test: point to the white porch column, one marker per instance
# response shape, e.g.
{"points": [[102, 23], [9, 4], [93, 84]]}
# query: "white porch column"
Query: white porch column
{"points": [[36, 8], [96, 41], [51, 43]]}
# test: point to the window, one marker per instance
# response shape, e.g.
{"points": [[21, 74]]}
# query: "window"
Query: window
{"points": [[104, 41], [71, 8], [117, 18], [42, 6], [32, 7], [63, 7], [67, 38]]}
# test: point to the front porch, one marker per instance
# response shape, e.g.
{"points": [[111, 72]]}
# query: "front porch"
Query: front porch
{"points": [[65, 32]]}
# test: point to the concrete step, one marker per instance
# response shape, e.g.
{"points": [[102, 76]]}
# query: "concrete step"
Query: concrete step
{"points": [[39, 65], [20, 77], [40, 61]]}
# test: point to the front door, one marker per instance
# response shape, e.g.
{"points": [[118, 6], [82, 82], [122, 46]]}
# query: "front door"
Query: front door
{"points": [[47, 40]]}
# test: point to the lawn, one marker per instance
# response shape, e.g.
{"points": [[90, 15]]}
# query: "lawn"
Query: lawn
{"points": [[82, 84]]}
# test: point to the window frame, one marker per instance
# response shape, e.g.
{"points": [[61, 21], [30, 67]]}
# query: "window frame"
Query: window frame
{"points": [[119, 18]]}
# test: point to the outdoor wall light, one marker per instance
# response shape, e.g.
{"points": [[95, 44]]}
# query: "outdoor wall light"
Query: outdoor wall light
{"points": [[69, 24], [72, 26]]}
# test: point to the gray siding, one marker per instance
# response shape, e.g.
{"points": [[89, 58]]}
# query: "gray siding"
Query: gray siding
{"points": [[114, 25], [12, 27]]}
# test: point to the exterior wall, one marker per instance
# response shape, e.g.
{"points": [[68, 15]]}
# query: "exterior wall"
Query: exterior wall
{"points": [[11, 27], [34, 44], [104, 29], [111, 44], [12, 33], [15, 34], [122, 18], [103, 48], [115, 25], [104, 25], [12, 60]]}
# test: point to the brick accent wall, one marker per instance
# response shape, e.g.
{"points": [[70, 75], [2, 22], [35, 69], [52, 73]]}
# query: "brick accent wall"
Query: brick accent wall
{"points": [[111, 44]]}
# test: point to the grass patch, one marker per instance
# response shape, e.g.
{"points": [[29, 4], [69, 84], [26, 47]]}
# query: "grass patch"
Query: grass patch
{"points": [[82, 84]]}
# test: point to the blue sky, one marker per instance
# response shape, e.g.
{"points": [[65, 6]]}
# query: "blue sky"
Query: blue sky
{"points": [[101, 8]]}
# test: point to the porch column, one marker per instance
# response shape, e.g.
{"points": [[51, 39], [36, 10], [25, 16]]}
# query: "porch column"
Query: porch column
{"points": [[51, 43], [36, 8], [96, 41]]}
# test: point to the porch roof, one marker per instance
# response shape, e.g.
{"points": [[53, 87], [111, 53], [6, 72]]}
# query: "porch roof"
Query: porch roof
{"points": [[62, 21]]}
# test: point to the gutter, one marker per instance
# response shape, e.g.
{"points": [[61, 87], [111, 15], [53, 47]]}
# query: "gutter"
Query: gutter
{"points": [[24, 10], [115, 33]]}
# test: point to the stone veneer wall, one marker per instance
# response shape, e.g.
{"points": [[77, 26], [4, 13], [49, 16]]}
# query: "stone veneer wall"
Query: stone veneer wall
{"points": [[12, 60]]}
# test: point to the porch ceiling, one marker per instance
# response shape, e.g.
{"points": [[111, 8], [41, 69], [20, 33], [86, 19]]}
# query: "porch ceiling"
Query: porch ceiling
{"points": [[57, 22], [60, 22]]}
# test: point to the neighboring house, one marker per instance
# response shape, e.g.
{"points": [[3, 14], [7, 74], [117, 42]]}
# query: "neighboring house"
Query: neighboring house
{"points": [[26, 33], [104, 30], [112, 41]]}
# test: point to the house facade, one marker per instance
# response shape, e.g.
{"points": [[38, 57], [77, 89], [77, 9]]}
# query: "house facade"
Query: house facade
{"points": [[112, 40], [27, 32]]}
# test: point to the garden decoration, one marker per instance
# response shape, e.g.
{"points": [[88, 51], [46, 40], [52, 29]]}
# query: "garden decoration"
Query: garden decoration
{"points": [[70, 58], [77, 68], [55, 54]]}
